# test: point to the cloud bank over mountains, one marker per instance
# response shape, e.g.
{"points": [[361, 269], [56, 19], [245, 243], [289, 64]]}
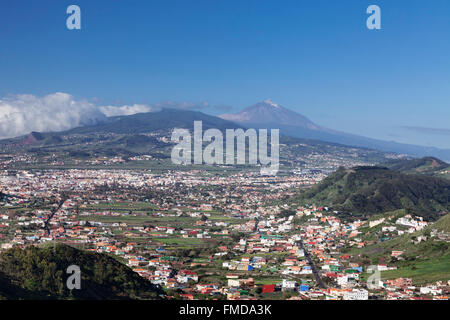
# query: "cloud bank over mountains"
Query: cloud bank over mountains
{"points": [[126, 110], [24, 113], [112, 111], [21, 114]]}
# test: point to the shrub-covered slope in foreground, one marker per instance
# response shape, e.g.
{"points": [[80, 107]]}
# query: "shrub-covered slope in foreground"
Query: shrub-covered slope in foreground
{"points": [[40, 273]]}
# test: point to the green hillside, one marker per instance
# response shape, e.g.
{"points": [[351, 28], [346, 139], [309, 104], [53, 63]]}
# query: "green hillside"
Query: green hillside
{"points": [[40, 273], [425, 258], [442, 225], [364, 191]]}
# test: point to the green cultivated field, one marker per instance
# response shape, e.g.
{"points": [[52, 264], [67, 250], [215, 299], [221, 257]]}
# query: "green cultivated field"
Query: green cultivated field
{"points": [[423, 272], [267, 280], [180, 241]]}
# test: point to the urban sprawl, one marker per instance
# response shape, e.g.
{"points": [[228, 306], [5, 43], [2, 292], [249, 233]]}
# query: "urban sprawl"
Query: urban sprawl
{"points": [[206, 235]]}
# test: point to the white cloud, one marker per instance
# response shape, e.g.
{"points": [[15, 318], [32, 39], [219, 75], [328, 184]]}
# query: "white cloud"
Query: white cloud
{"points": [[21, 114], [111, 111]]}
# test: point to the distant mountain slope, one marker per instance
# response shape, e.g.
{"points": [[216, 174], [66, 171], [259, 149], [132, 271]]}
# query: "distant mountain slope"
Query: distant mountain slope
{"points": [[271, 115], [166, 119], [428, 166], [270, 112], [120, 130], [150, 133], [370, 190], [40, 273], [130, 135]]}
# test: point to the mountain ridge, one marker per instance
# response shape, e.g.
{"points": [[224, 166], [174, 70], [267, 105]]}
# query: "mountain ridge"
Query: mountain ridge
{"points": [[150, 133], [427, 165], [296, 125]]}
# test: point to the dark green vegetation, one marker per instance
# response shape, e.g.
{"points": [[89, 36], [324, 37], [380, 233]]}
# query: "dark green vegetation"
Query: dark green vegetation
{"points": [[427, 166], [40, 273], [363, 191]]}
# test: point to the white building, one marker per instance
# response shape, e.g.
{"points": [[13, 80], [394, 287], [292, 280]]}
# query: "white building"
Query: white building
{"points": [[234, 282], [342, 280], [430, 290], [286, 284], [357, 294]]}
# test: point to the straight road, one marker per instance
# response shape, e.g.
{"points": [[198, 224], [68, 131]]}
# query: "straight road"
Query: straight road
{"points": [[52, 214], [313, 266]]}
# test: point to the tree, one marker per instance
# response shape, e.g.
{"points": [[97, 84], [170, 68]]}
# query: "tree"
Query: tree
{"points": [[287, 295], [287, 213]]}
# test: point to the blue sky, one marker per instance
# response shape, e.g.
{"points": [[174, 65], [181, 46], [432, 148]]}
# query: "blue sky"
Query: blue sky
{"points": [[315, 57]]}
